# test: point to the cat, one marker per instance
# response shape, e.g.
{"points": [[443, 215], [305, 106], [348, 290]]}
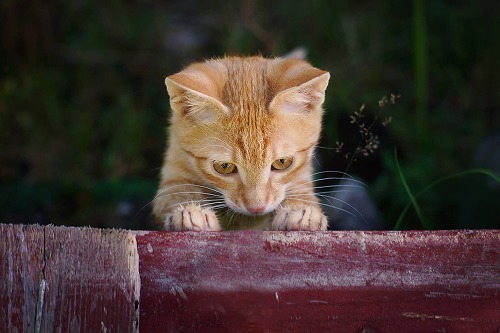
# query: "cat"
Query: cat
{"points": [[241, 138]]}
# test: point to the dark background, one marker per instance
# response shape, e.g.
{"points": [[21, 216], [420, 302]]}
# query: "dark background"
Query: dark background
{"points": [[83, 106]]}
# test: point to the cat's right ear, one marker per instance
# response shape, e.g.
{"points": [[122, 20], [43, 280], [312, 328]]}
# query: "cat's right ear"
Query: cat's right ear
{"points": [[192, 96], [300, 87]]}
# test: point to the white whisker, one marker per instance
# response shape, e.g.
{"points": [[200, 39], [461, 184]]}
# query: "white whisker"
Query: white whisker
{"points": [[323, 147], [181, 203], [189, 192], [215, 207], [307, 192], [326, 186], [326, 205], [316, 159], [162, 194], [213, 201], [210, 200], [342, 179], [185, 185], [327, 197], [323, 187], [233, 214], [345, 176], [335, 191]]}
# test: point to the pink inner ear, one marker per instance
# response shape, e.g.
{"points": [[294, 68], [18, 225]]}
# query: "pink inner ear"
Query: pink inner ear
{"points": [[302, 100], [307, 97], [293, 106]]}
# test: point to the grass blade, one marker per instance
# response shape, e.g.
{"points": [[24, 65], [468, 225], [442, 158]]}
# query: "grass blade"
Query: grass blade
{"points": [[485, 172], [412, 197]]}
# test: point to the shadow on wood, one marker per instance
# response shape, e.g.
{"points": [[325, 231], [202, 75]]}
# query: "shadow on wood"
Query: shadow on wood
{"points": [[320, 282]]}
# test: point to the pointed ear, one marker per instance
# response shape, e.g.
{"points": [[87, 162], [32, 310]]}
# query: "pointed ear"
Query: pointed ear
{"points": [[302, 88], [193, 95]]}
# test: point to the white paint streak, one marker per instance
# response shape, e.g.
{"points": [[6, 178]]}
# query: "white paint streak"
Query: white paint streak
{"points": [[10, 281], [362, 241], [286, 238], [39, 305], [326, 259], [434, 294], [176, 290], [135, 278], [437, 317], [315, 301]]}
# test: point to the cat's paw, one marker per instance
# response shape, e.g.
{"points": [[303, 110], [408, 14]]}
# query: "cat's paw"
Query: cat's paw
{"points": [[192, 217], [308, 218]]}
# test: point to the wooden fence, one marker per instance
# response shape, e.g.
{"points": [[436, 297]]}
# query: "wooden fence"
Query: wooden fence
{"points": [[60, 279]]}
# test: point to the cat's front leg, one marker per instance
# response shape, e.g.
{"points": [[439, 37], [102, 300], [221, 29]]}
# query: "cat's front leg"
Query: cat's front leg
{"points": [[294, 218], [191, 217]]}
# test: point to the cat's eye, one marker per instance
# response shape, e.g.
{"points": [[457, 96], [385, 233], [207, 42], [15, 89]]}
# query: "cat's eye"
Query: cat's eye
{"points": [[282, 163], [224, 168]]}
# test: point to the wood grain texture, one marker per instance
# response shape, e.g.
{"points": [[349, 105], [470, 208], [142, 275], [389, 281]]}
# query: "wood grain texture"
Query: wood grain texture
{"points": [[21, 264], [58, 279], [445, 281]]}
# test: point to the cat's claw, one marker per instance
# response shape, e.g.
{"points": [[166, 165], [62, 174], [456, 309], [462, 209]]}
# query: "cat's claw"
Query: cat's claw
{"points": [[305, 218], [192, 217]]}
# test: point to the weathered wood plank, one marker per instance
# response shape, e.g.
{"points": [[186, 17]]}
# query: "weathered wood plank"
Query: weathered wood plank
{"points": [[20, 275], [445, 281], [58, 279]]}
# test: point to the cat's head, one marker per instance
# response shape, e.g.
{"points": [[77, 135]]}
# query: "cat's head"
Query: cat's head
{"points": [[248, 126]]}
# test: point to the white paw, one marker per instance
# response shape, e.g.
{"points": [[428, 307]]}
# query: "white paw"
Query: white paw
{"points": [[307, 218], [192, 217]]}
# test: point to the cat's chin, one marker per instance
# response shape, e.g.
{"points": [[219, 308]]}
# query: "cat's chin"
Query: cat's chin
{"points": [[249, 211]]}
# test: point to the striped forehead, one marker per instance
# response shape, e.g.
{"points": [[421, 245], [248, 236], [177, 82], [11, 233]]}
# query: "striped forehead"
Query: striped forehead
{"points": [[253, 148], [246, 93], [247, 86]]}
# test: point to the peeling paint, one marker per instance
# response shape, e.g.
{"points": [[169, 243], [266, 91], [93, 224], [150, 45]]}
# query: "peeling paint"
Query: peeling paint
{"points": [[39, 306], [434, 294], [176, 290], [437, 317], [315, 301], [362, 241]]}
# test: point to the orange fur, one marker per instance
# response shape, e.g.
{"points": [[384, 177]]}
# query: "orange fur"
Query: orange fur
{"points": [[250, 112]]}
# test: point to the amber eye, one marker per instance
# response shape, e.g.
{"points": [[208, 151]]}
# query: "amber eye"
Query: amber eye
{"points": [[282, 163], [224, 168]]}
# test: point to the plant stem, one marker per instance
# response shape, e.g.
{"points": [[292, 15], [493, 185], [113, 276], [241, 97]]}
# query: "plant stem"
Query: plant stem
{"points": [[412, 197]]}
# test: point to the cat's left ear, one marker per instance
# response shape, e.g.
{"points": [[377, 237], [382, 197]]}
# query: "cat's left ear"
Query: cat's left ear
{"points": [[304, 92]]}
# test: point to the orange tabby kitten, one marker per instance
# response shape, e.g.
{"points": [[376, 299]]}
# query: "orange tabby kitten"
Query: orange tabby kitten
{"points": [[242, 134]]}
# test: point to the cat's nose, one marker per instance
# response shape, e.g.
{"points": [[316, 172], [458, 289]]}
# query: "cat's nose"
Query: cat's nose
{"points": [[255, 209]]}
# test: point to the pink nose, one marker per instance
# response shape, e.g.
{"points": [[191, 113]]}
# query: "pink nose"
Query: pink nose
{"points": [[255, 209]]}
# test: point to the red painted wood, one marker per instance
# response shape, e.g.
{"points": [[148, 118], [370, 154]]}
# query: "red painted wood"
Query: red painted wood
{"points": [[58, 279], [248, 281], [445, 281]]}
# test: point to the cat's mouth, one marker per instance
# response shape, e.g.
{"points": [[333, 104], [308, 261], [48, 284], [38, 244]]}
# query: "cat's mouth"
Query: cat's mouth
{"points": [[251, 209]]}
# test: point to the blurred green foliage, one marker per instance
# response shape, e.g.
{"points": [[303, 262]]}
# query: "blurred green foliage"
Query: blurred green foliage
{"points": [[83, 107]]}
